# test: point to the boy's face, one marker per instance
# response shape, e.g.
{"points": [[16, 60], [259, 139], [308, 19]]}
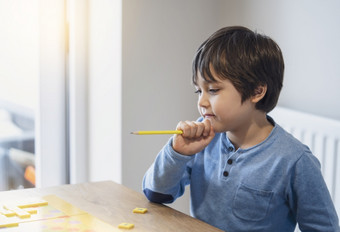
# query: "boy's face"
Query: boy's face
{"points": [[221, 103]]}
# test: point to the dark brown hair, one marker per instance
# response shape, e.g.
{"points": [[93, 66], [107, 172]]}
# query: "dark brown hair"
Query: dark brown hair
{"points": [[245, 58]]}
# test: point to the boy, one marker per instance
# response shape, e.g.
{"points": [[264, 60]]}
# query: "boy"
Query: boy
{"points": [[245, 172]]}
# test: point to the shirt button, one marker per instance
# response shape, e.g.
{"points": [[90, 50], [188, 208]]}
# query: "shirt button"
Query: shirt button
{"points": [[230, 161], [230, 149], [225, 173]]}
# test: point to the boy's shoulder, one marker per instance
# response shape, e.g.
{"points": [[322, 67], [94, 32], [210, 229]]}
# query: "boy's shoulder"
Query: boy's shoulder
{"points": [[287, 145]]}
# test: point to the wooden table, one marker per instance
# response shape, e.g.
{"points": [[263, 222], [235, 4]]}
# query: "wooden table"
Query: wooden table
{"points": [[113, 203]]}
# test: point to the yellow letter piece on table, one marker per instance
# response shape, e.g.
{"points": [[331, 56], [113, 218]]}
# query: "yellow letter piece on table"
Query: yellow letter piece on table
{"points": [[22, 209], [7, 222], [18, 211], [32, 203], [6, 212], [126, 225], [140, 210], [31, 210]]}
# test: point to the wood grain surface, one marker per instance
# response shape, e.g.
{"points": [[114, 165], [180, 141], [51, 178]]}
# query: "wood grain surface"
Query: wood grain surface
{"points": [[113, 203]]}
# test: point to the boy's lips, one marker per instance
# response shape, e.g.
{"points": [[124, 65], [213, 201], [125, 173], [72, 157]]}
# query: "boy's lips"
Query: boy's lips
{"points": [[208, 115]]}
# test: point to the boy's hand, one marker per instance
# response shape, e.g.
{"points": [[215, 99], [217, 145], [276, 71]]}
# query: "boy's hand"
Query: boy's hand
{"points": [[196, 136]]}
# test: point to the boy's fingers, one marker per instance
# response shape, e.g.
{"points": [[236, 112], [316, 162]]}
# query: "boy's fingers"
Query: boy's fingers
{"points": [[200, 129], [181, 126], [192, 129], [207, 127], [185, 127]]}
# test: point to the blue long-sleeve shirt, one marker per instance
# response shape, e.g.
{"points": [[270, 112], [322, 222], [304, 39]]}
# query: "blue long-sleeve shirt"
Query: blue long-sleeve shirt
{"points": [[268, 187]]}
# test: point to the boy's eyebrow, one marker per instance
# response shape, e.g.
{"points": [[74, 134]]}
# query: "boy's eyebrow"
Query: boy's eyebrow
{"points": [[206, 84]]}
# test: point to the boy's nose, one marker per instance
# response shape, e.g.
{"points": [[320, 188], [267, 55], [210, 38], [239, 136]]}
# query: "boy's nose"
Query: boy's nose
{"points": [[203, 101]]}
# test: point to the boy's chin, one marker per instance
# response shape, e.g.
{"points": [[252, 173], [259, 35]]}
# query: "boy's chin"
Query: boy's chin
{"points": [[218, 129]]}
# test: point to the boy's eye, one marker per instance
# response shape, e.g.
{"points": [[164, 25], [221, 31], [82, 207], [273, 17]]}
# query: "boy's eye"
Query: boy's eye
{"points": [[198, 91], [213, 90]]}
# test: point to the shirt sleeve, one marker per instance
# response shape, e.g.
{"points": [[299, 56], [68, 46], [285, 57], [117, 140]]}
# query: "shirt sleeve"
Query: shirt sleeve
{"points": [[167, 177], [309, 197]]}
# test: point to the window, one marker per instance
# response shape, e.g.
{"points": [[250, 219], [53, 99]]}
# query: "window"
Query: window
{"points": [[66, 84], [19, 76], [32, 93]]}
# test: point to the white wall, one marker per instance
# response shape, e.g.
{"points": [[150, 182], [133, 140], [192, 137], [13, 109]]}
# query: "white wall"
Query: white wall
{"points": [[104, 75], [159, 41]]}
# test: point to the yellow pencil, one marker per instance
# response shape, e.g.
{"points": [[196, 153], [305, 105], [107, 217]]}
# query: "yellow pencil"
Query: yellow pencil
{"points": [[163, 132]]}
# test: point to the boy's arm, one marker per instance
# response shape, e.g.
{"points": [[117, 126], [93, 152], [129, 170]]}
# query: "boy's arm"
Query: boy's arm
{"points": [[167, 177], [169, 174], [310, 199]]}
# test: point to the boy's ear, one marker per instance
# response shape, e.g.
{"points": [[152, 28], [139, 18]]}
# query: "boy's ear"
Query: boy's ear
{"points": [[260, 92]]}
